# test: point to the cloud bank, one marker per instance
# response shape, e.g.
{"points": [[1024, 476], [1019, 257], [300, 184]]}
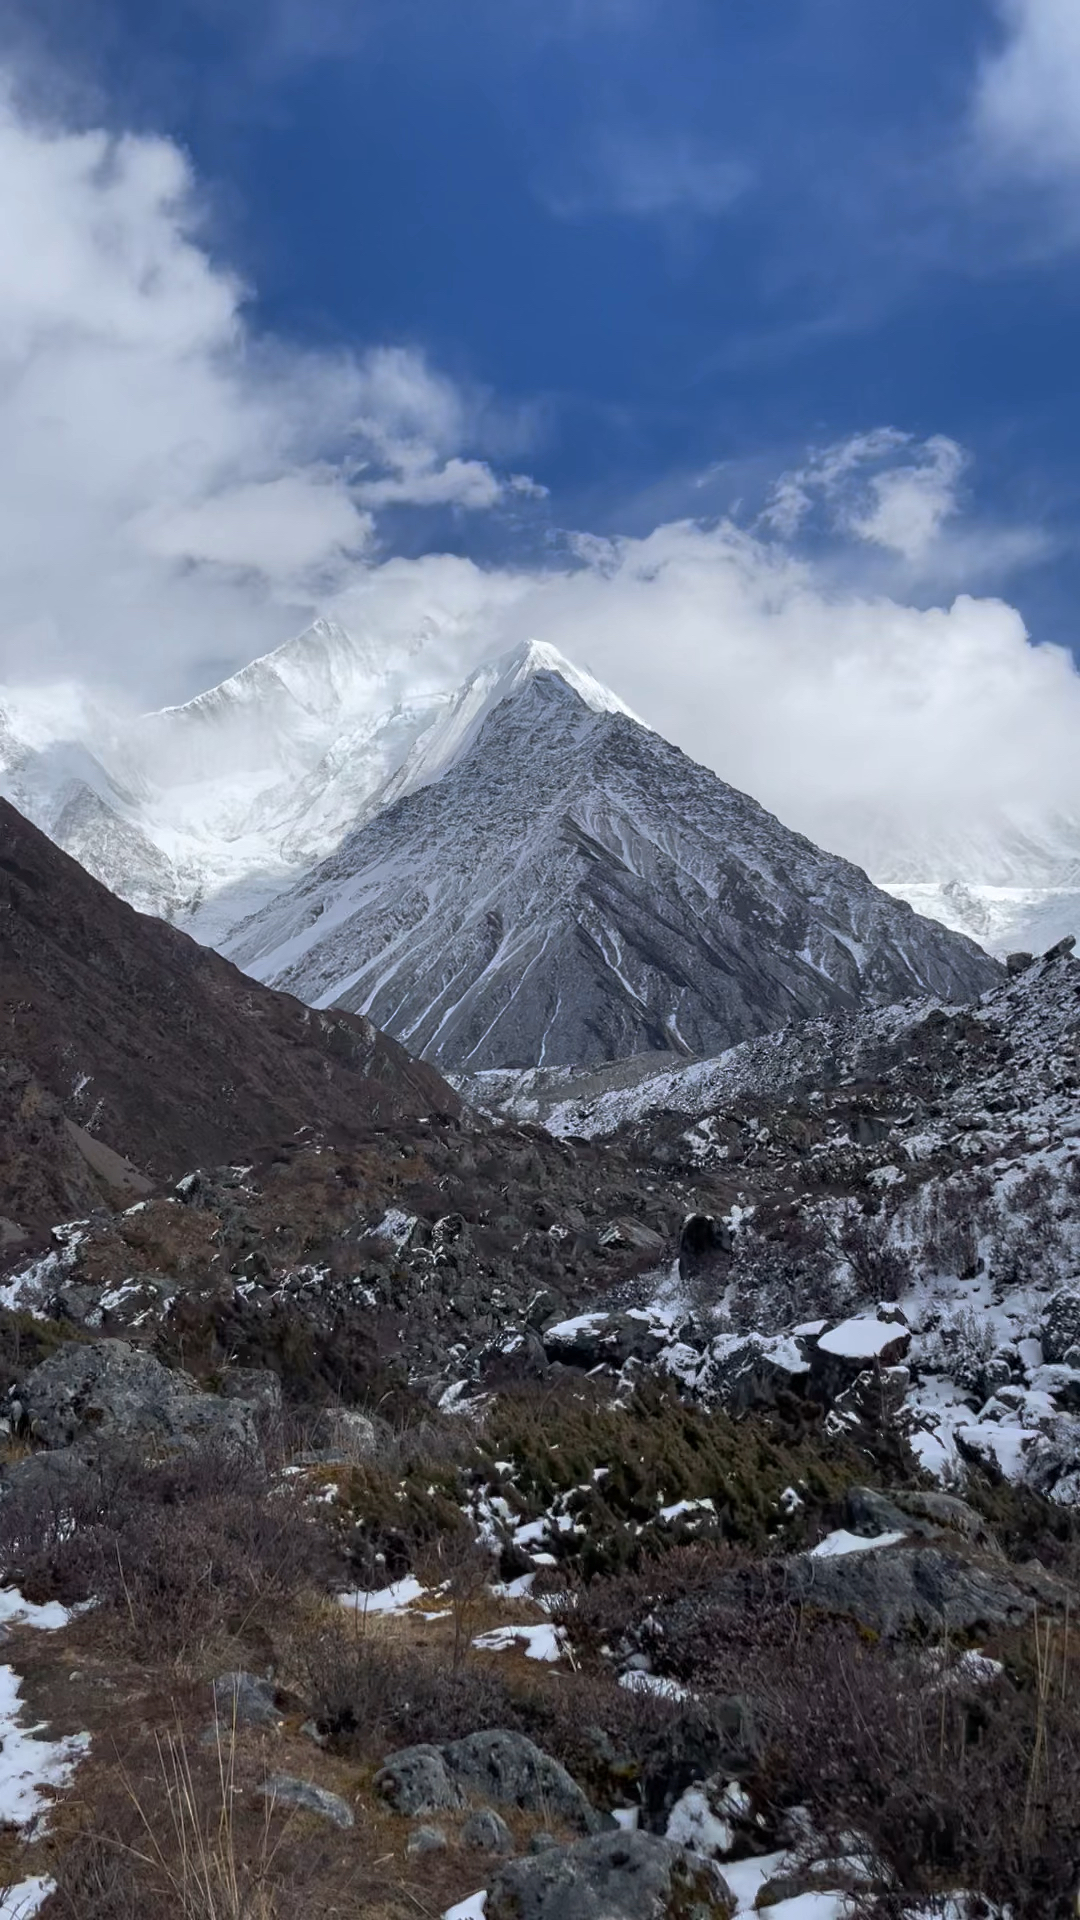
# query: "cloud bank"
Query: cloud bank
{"points": [[172, 484], [177, 494], [880, 729], [1027, 104]]}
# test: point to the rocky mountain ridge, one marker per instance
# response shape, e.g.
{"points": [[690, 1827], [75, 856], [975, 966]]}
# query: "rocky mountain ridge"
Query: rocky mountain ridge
{"points": [[574, 889], [130, 1052]]}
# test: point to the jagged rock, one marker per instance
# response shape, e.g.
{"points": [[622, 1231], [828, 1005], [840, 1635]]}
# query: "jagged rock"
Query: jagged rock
{"points": [[634, 1236], [416, 1781], [1061, 949], [285, 1790], [488, 1832], [244, 1700], [947, 1510], [619, 1876], [895, 1590], [112, 1391], [1059, 1329], [604, 1339], [740, 1372], [1017, 963], [508, 1768]]}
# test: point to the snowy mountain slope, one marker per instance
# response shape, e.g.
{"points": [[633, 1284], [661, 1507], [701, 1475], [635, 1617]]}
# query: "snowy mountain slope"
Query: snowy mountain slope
{"points": [[203, 813], [574, 889], [897, 1182]]}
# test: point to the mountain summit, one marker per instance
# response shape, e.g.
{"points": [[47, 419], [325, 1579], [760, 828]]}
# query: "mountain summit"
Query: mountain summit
{"points": [[573, 889]]}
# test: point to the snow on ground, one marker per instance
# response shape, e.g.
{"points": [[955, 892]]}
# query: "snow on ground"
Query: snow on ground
{"points": [[842, 1542], [471, 1909], [859, 1339], [637, 1681], [543, 1642], [399, 1598], [22, 1901], [32, 1769]]}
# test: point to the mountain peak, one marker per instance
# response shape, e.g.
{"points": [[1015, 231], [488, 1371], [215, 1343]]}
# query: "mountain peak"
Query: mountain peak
{"points": [[509, 672]]}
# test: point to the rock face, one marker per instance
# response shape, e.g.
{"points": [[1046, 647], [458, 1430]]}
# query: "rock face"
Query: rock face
{"points": [[122, 1037], [110, 1391], [924, 1589], [624, 1876], [574, 890], [492, 1765]]}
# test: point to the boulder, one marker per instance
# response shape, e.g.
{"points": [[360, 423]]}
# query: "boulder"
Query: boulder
{"points": [[488, 1832], [109, 1390], [900, 1589], [847, 1349], [285, 1790], [614, 1876], [604, 1339], [1059, 1329], [511, 1770], [626, 1233], [948, 1511], [416, 1781]]}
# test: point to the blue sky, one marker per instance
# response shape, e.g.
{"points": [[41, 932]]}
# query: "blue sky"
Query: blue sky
{"points": [[676, 243], [452, 315]]}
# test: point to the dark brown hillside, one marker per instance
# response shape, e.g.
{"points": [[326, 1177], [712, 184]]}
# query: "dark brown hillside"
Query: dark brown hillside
{"points": [[117, 1027]]}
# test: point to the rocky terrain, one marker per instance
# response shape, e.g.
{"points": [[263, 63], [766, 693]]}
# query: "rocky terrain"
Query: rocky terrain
{"points": [[615, 1494], [129, 1052]]}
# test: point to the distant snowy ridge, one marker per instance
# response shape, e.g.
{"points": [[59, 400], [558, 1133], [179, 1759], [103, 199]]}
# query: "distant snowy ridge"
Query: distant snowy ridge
{"points": [[201, 813]]}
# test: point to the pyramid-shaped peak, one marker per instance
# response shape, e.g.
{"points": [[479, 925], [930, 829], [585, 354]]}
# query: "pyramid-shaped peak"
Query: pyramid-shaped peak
{"points": [[500, 678]]}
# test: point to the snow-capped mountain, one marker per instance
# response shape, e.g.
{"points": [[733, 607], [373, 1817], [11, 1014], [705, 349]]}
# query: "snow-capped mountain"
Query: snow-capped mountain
{"points": [[574, 889], [205, 812]]}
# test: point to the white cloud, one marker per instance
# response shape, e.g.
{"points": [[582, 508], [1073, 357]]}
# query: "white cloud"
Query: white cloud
{"points": [[170, 483], [1027, 103], [862, 721], [869, 492], [647, 177]]}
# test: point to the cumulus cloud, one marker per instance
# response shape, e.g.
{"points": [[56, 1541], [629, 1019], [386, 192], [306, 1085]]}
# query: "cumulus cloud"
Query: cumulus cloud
{"points": [[884, 730], [1027, 103], [883, 487], [169, 480]]}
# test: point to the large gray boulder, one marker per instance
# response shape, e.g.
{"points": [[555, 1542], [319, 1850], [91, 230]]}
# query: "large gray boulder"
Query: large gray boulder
{"points": [[511, 1770], [109, 1390], [416, 1781], [900, 1589], [491, 1766], [614, 1876]]}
